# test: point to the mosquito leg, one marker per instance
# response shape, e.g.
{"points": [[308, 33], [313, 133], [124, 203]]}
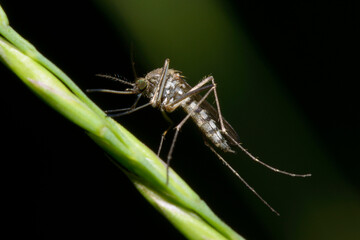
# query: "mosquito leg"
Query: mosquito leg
{"points": [[136, 101], [125, 109], [130, 111], [197, 89], [162, 139], [206, 80], [199, 85], [156, 100], [242, 179], [117, 110], [177, 129], [223, 129], [166, 131], [218, 107], [264, 164], [203, 82]]}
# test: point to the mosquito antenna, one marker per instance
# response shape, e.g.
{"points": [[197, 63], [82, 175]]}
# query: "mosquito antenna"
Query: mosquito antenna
{"points": [[242, 179], [116, 79], [264, 164]]}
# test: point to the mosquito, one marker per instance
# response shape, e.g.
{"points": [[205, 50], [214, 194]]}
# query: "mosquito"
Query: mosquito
{"points": [[167, 90]]}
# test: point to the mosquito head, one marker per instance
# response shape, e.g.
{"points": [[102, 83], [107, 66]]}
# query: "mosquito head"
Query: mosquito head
{"points": [[140, 84]]}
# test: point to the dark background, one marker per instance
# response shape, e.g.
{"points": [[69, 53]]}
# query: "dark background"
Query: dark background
{"points": [[59, 184]]}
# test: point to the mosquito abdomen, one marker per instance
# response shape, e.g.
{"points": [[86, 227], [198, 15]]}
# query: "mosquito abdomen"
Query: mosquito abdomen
{"points": [[207, 124]]}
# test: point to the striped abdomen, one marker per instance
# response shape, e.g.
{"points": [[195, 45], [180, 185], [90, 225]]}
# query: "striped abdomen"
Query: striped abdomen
{"points": [[208, 125]]}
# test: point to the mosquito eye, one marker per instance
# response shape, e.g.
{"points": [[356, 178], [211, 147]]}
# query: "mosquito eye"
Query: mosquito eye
{"points": [[141, 84]]}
